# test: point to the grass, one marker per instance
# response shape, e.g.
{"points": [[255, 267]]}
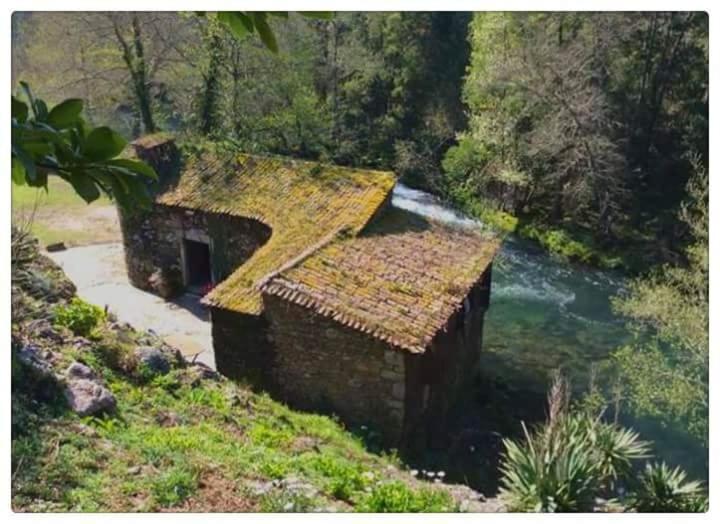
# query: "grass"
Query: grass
{"points": [[60, 215], [172, 442]]}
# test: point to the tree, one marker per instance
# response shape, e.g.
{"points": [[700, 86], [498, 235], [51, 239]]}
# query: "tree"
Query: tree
{"points": [[584, 121], [668, 376], [58, 141]]}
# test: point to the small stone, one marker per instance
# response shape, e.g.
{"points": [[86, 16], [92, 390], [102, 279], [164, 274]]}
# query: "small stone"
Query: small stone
{"points": [[79, 370], [134, 470], [153, 358], [56, 246], [87, 397]]}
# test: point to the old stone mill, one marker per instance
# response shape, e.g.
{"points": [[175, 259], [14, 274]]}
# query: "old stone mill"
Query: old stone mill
{"points": [[319, 290]]}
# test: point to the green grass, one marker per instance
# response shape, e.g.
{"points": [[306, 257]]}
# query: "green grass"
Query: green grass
{"points": [[178, 435], [60, 215]]}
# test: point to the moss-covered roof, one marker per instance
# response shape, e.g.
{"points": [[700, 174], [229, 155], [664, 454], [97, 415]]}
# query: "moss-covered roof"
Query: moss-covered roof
{"points": [[304, 203], [400, 280]]}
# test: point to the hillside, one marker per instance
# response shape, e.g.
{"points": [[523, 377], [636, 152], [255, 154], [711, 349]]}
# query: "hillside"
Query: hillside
{"points": [[116, 420]]}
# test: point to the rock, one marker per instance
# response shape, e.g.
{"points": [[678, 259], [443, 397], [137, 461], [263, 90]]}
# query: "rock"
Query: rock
{"points": [[153, 358], [32, 356], [134, 470], [87, 397], [57, 246], [42, 328], [204, 372], [78, 370]]}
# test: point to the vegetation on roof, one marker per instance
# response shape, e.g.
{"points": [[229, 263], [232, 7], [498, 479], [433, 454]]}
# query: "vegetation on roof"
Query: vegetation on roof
{"points": [[302, 202], [400, 280]]}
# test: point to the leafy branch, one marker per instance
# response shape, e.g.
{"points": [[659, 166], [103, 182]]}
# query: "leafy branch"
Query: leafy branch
{"points": [[58, 141]]}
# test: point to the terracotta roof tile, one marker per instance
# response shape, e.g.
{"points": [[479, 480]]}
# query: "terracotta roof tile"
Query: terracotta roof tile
{"points": [[399, 280], [304, 203]]}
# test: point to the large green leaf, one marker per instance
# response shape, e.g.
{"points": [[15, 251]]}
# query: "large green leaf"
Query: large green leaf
{"points": [[234, 23], [263, 29], [27, 161], [19, 110], [18, 171], [134, 166], [103, 144], [84, 186], [66, 113]]}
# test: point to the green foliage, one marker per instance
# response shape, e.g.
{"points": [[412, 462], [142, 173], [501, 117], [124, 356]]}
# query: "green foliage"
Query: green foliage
{"points": [[549, 142], [243, 23], [174, 485], [664, 490], [79, 316], [559, 242], [564, 464], [58, 141], [396, 497], [668, 377]]}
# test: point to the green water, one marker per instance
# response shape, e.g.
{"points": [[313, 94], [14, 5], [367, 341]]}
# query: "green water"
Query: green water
{"points": [[546, 314]]}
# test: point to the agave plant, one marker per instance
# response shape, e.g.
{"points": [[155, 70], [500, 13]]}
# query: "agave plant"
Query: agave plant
{"points": [[568, 461], [661, 489]]}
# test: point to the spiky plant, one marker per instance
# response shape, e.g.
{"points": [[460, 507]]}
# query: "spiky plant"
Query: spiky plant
{"points": [[664, 490], [567, 462]]}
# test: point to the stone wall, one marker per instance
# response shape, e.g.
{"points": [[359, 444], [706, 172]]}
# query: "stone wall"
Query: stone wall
{"points": [[153, 242], [321, 365], [315, 363], [436, 378], [242, 345]]}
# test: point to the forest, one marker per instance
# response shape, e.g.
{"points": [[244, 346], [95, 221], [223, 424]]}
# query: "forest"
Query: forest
{"points": [[578, 130], [583, 134]]}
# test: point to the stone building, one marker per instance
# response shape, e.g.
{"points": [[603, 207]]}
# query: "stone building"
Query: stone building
{"points": [[320, 291]]}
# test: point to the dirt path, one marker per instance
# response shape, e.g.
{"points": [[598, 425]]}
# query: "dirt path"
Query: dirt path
{"points": [[98, 271]]}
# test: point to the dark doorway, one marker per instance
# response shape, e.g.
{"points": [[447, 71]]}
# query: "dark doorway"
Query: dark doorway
{"points": [[197, 265]]}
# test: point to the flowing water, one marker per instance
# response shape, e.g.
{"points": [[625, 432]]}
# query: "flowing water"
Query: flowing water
{"points": [[546, 314]]}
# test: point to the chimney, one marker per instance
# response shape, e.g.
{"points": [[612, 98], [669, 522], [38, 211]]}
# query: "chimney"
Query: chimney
{"points": [[159, 150]]}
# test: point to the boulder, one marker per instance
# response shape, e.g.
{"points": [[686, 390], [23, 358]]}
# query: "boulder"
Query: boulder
{"points": [[87, 397], [32, 356], [155, 359]]}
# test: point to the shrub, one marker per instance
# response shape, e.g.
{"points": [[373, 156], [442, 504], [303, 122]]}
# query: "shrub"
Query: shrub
{"points": [[664, 490], [79, 316], [396, 497]]}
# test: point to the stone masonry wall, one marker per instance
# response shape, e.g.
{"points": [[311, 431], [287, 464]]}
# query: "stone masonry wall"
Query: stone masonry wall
{"points": [[321, 365], [242, 345], [153, 242], [437, 378]]}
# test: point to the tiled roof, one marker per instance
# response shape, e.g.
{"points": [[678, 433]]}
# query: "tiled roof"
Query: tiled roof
{"points": [[304, 203], [400, 280]]}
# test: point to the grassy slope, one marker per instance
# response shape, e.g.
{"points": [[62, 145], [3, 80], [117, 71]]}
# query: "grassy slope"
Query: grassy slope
{"points": [[60, 215], [179, 443]]}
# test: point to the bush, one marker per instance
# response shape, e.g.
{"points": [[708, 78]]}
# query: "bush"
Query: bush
{"points": [[559, 242], [396, 497], [664, 490], [79, 316]]}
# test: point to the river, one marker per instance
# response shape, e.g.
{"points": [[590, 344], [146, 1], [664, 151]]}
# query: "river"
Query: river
{"points": [[546, 314]]}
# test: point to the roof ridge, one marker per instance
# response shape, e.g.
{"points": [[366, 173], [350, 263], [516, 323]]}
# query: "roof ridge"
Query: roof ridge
{"points": [[303, 255]]}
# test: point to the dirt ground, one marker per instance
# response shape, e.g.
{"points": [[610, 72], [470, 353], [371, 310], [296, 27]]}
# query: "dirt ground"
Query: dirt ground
{"points": [[99, 273]]}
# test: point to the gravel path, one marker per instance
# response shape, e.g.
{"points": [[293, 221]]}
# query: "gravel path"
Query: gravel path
{"points": [[98, 271]]}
